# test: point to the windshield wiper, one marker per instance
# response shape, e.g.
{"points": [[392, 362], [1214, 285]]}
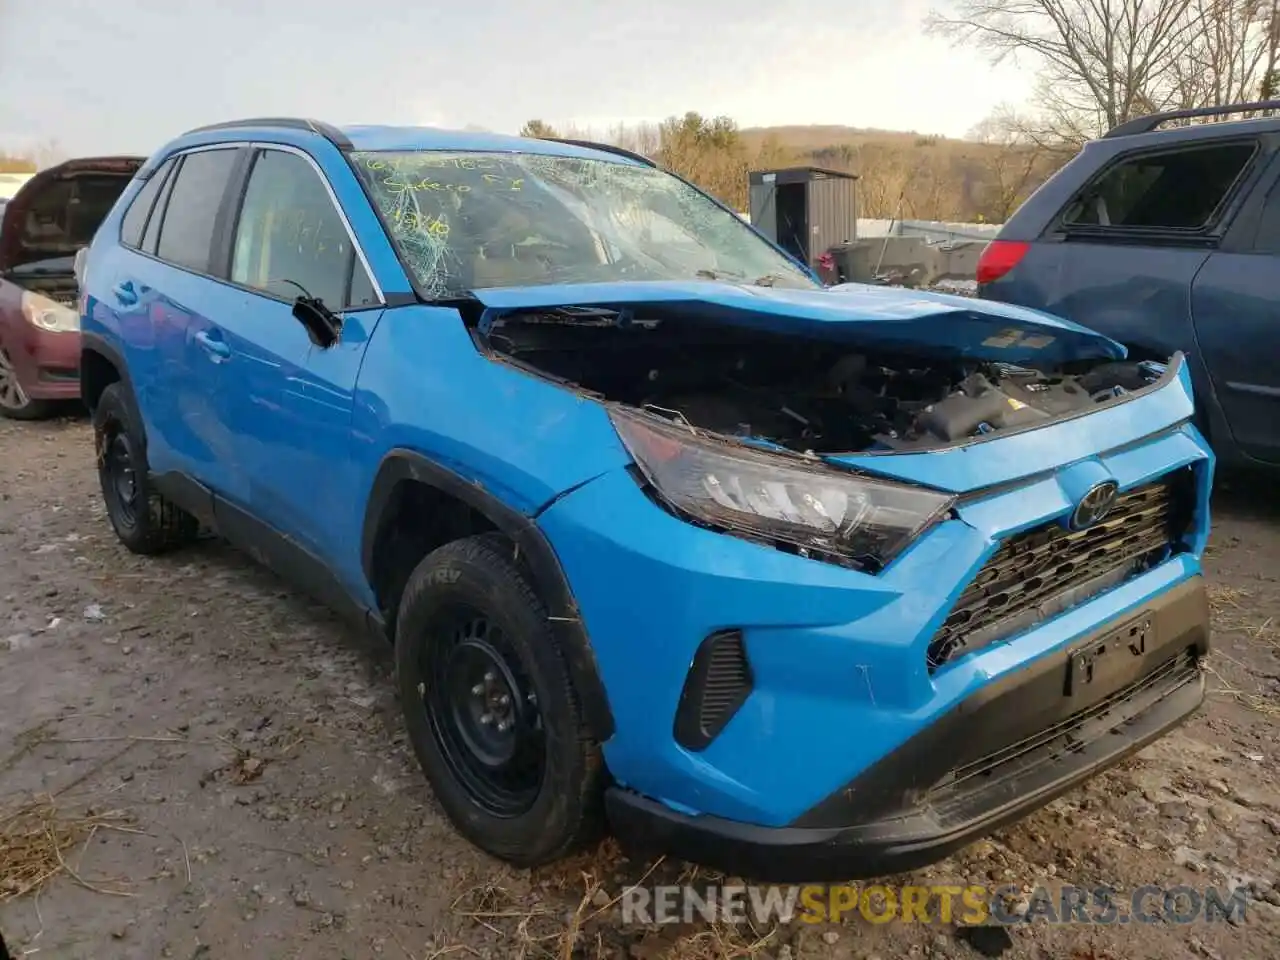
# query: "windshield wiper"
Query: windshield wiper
{"points": [[706, 274], [768, 280]]}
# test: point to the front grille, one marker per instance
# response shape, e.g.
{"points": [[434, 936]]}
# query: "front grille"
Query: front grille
{"points": [[718, 684], [998, 769], [1044, 571]]}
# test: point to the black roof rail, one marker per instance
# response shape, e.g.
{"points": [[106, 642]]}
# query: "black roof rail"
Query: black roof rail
{"points": [[1151, 121], [328, 131], [605, 147]]}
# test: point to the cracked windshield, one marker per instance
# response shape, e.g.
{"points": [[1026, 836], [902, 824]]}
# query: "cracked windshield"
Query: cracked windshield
{"points": [[468, 221]]}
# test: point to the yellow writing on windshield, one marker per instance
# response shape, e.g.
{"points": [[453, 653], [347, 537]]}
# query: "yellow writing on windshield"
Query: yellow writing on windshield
{"points": [[500, 183], [394, 185], [400, 186], [436, 226]]}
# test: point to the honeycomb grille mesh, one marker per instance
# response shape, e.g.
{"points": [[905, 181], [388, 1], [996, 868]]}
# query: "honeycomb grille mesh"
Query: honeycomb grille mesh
{"points": [[1044, 571]]}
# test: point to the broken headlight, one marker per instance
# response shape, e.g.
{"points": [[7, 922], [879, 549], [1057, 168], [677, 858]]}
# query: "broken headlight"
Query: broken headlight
{"points": [[815, 510]]}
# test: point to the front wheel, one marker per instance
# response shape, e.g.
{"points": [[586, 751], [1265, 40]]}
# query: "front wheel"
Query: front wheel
{"points": [[491, 708]]}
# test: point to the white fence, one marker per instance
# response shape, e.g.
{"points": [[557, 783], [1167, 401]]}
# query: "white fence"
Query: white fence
{"points": [[10, 183], [934, 230]]}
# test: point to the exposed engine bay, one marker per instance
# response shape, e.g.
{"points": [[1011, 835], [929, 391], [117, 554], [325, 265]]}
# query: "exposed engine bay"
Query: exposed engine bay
{"points": [[58, 287], [805, 395]]}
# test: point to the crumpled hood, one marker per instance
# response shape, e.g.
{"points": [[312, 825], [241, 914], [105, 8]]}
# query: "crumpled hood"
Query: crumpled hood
{"points": [[888, 317]]}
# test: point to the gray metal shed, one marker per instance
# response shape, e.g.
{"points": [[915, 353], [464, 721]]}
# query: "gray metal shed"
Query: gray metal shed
{"points": [[805, 210]]}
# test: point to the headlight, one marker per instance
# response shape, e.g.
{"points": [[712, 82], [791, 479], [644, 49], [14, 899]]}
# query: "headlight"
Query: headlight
{"points": [[49, 314], [817, 510]]}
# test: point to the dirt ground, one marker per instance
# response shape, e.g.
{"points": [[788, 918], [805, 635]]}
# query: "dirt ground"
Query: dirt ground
{"points": [[223, 767]]}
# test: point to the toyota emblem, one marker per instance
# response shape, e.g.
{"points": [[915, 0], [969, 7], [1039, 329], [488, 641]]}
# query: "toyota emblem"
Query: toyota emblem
{"points": [[1095, 505]]}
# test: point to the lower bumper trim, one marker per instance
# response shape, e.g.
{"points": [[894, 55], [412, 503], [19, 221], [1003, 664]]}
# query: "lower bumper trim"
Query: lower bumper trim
{"points": [[978, 798], [828, 855]]}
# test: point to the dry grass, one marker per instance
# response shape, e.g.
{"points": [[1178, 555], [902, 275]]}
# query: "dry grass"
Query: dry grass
{"points": [[1268, 706], [720, 943], [1225, 603], [532, 926], [1230, 609], [36, 839]]}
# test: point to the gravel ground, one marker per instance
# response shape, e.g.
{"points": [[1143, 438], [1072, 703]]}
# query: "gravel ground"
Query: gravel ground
{"points": [[224, 768]]}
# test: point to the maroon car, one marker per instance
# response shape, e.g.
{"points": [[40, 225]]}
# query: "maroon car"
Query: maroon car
{"points": [[54, 214]]}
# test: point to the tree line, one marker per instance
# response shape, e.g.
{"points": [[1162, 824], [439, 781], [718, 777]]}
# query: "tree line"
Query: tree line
{"points": [[1094, 64], [900, 175], [11, 164]]}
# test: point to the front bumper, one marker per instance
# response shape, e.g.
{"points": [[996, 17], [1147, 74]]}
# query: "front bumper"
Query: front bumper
{"points": [[998, 755], [47, 362], [838, 660]]}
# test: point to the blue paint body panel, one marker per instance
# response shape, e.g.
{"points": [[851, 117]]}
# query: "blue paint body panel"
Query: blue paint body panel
{"points": [[233, 393], [856, 313]]}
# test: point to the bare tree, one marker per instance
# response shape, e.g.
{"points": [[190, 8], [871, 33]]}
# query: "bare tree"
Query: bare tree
{"points": [[1016, 164], [643, 138], [1099, 62], [1270, 87], [1102, 62], [1231, 57], [884, 175]]}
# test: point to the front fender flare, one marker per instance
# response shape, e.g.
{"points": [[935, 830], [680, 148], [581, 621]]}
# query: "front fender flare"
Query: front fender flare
{"points": [[549, 578]]}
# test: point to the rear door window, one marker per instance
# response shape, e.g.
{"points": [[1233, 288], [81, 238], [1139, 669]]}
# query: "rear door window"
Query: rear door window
{"points": [[152, 235], [1181, 190], [186, 233], [135, 218]]}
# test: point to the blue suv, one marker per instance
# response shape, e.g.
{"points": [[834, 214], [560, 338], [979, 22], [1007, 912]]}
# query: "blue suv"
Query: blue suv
{"points": [[797, 582]]}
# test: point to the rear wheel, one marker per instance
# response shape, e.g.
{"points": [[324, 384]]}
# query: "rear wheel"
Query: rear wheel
{"points": [[14, 402], [491, 708], [144, 521]]}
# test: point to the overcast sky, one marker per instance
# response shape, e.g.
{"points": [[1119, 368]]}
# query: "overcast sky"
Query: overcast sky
{"points": [[126, 75]]}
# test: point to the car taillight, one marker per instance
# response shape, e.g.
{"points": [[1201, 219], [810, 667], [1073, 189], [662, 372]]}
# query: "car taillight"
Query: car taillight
{"points": [[999, 258]]}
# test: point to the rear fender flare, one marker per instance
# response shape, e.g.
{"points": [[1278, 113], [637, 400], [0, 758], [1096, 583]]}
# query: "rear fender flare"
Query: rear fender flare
{"points": [[96, 344]]}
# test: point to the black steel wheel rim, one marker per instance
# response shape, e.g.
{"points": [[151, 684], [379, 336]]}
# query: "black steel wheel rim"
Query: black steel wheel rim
{"points": [[120, 476], [483, 712]]}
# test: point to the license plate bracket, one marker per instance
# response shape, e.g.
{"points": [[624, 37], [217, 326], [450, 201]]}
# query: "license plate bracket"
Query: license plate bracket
{"points": [[1096, 664]]}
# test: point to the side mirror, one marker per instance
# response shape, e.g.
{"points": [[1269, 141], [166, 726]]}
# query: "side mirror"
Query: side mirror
{"points": [[323, 326]]}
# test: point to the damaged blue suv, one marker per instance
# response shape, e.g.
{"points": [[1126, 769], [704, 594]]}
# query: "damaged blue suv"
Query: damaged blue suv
{"points": [[796, 582]]}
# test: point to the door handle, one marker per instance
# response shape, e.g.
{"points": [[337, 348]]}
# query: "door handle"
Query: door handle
{"points": [[125, 293], [218, 348]]}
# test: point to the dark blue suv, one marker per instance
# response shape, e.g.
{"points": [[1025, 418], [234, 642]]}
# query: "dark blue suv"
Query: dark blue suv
{"points": [[796, 581], [1167, 239]]}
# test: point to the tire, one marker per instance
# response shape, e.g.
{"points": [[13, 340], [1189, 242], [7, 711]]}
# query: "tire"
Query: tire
{"points": [[438, 656], [14, 402], [144, 521]]}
